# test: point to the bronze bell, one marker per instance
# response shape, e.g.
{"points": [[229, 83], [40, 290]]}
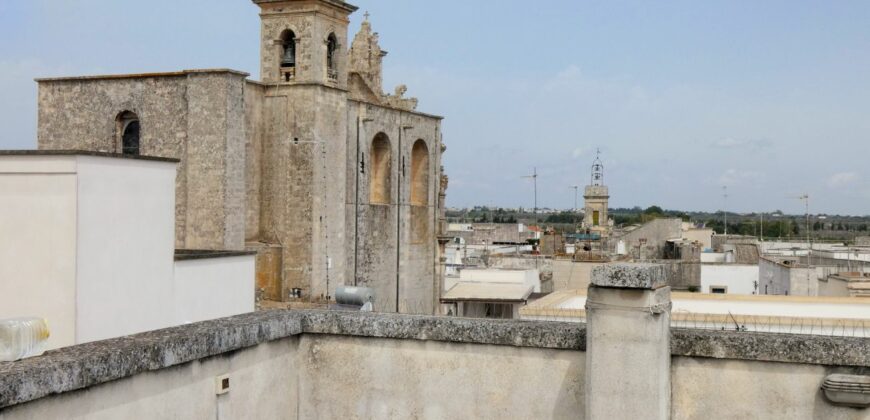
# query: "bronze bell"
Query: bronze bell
{"points": [[289, 58]]}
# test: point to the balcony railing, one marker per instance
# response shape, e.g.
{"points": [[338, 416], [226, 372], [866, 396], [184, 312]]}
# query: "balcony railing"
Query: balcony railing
{"points": [[332, 75]]}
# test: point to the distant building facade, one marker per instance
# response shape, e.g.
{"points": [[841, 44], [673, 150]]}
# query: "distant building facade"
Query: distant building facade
{"points": [[330, 180]]}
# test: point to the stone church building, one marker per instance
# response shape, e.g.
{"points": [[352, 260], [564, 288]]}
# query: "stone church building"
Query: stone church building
{"points": [[332, 181]]}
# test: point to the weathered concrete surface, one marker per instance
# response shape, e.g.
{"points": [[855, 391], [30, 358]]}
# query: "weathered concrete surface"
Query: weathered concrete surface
{"points": [[89, 364], [630, 276], [789, 348], [356, 377], [557, 335], [286, 362], [263, 385], [741, 389], [628, 352]]}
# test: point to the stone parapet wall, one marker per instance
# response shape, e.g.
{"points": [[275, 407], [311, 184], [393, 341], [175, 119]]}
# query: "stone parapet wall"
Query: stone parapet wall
{"points": [[393, 366]]}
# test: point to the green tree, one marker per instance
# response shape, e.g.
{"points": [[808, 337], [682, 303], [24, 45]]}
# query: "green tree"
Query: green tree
{"points": [[654, 210]]}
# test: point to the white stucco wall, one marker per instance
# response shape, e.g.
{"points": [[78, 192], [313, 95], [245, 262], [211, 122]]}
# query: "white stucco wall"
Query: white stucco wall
{"points": [[495, 275], [87, 242], [712, 257], [739, 279], [126, 246], [213, 288], [37, 242]]}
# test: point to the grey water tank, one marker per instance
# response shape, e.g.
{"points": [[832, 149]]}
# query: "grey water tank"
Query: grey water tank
{"points": [[353, 295]]}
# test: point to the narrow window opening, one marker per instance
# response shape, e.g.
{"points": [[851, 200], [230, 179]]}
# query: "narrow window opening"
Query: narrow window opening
{"points": [[128, 129], [331, 46]]}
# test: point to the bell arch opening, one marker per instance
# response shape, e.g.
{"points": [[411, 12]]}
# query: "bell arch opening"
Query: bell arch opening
{"points": [[380, 169]]}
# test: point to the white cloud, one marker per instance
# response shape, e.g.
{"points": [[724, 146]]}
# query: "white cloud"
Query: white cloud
{"points": [[842, 179], [577, 152]]}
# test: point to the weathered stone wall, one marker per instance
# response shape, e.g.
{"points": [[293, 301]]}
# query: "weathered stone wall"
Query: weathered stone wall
{"points": [[194, 116], [740, 389], [273, 166], [648, 241], [401, 379], [255, 129], [215, 158], [79, 113], [398, 231]]}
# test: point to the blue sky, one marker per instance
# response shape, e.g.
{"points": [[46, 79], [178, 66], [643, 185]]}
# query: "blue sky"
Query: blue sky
{"points": [[769, 98]]}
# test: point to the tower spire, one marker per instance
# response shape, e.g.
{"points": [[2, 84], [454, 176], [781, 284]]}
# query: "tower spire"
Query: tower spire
{"points": [[597, 169]]}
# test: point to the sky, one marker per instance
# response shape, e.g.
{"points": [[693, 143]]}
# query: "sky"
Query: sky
{"points": [[769, 99]]}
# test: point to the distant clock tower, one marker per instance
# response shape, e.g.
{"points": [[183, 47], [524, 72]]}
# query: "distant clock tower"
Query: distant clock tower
{"points": [[596, 197]]}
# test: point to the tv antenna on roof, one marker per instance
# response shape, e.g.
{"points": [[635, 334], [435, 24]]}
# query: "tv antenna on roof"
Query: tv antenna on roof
{"points": [[534, 177]]}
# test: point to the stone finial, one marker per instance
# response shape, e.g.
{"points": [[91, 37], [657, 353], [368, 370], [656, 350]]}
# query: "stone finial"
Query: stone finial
{"points": [[630, 276]]}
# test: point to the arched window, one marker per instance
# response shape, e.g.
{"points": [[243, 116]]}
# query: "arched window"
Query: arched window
{"points": [[380, 168], [288, 43], [288, 55], [420, 174], [127, 126], [331, 46]]}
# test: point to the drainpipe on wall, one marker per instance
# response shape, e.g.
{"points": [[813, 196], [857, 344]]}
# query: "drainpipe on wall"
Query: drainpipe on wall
{"points": [[399, 211], [357, 169]]}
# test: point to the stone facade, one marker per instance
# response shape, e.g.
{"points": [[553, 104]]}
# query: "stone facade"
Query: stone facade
{"points": [[283, 166]]}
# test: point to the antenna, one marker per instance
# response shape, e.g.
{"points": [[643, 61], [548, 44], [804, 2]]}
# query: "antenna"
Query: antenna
{"points": [[534, 177], [576, 188], [725, 207], [806, 198]]}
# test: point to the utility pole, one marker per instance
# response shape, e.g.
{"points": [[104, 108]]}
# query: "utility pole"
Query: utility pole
{"points": [[576, 188], [725, 209], [806, 198], [534, 177]]}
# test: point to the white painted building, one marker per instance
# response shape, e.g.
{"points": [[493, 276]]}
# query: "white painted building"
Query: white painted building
{"points": [[87, 242], [490, 293], [736, 279], [844, 316]]}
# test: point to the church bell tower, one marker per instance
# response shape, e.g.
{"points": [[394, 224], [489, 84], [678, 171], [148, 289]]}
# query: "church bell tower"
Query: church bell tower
{"points": [[596, 198], [304, 41]]}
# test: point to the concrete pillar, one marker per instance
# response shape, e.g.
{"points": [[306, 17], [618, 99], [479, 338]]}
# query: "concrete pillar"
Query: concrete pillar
{"points": [[628, 357]]}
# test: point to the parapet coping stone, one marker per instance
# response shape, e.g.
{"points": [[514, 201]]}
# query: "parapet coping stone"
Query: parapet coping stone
{"points": [[85, 365], [181, 73], [630, 276], [201, 254], [73, 152]]}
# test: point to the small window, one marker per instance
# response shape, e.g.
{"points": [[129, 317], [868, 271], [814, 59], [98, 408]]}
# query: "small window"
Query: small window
{"points": [[718, 290], [128, 128]]}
